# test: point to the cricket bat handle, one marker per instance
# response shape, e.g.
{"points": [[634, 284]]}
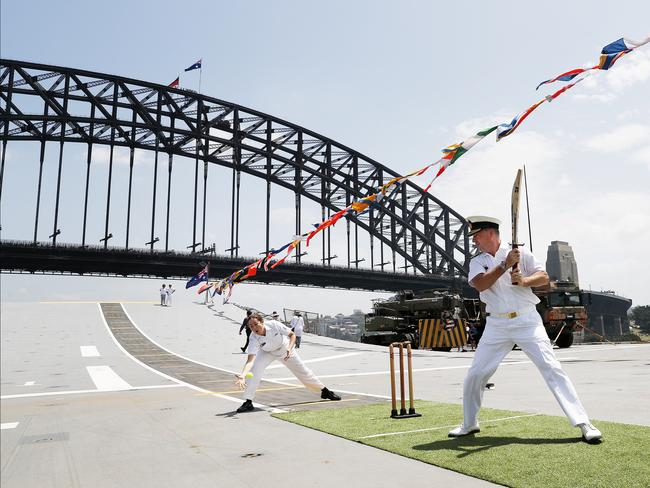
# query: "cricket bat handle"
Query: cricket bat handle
{"points": [[515, 267]]}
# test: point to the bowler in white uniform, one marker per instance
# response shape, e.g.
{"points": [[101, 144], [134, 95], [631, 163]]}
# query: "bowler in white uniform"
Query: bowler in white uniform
{"points": [[512, 319], [271, 340]]}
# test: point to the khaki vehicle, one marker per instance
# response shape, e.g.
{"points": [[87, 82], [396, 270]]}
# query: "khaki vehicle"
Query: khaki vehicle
{"points": [[563, 311]]}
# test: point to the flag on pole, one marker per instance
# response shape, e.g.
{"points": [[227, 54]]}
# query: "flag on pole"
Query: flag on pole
{"points": [[196, 65], [175, 83], [198, 278]]}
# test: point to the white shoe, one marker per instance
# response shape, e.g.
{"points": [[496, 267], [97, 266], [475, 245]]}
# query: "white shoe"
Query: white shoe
{"points": [[461, 430], [590, 433]]}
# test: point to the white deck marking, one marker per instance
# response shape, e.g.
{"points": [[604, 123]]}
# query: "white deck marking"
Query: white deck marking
{"points": [[445, 426], [78, 392], [106, 379], [9, 425], [89, 351], [317, 360], [29, 383]]}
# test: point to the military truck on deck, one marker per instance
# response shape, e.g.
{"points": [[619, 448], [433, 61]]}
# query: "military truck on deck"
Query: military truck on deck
{"points": [[562, 309]]}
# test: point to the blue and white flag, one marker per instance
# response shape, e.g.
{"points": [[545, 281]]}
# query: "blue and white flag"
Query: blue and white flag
{"points": [[196, 65]]}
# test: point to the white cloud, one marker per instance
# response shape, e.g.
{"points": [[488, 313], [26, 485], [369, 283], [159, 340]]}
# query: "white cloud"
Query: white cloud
{"points": [[565, 203], [481, 181], [620, 138], [643, 156], [632, 68], [628, 114], [596, 97], [606, 86]]}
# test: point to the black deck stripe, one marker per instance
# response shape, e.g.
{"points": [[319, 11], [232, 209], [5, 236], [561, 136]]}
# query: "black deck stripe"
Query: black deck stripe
{"points": [[207, 378]]}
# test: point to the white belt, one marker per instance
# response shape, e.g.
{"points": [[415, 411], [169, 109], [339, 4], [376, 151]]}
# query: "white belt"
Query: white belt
{"points": [[511, 315]]}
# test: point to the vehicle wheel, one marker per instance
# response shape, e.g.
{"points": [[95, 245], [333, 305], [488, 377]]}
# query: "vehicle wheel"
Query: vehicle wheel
{"points": [[564, 341]]}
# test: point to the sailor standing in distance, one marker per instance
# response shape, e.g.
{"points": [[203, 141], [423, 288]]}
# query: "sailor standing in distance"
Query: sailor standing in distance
{"points": [[512, 319], [163, 296], [297, 325]]}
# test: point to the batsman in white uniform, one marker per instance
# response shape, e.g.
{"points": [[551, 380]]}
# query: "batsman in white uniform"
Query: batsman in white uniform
{"points": [[512, 319], [271, 340]]}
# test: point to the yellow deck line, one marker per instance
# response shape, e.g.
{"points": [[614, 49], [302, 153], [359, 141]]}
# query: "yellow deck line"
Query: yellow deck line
{"points": [[323, 401], [241, 391]]}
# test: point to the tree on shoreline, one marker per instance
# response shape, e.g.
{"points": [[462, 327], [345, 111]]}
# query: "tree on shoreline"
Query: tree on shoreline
{"points": [[641, 316]]}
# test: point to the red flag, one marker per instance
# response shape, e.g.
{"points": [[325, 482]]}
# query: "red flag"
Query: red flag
{"points": [[175, 83]]}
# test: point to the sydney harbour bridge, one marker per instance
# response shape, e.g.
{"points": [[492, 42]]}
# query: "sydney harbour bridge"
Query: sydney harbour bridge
{"points": [[94, 165]]}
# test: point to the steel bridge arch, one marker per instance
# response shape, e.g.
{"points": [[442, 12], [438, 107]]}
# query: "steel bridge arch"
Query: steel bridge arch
{"points": [[429, 235]]}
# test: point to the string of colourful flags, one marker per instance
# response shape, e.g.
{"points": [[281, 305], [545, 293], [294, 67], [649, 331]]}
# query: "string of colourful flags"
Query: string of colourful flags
{"points": [[610, 54]]}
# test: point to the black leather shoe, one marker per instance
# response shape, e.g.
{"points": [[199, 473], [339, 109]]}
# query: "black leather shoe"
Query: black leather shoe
{"points": [[247, 406], [328, 395]]}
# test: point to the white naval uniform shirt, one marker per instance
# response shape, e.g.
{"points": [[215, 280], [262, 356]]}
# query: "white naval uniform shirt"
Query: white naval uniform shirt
{"points": [[275, 340], [503, 296], [297, 325]]}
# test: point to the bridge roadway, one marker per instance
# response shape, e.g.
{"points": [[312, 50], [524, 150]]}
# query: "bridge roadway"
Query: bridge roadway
{"points": [[21, 256], [79, 410]]}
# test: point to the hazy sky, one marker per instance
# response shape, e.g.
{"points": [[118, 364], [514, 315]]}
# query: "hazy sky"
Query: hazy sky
{"points": [[398, 81]]}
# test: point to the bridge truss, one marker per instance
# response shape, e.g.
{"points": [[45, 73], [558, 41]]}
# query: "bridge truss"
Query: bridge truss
{"points": [[412, 232]]}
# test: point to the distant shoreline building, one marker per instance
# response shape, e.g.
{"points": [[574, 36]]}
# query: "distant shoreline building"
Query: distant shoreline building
{"points": [[560, 262]]}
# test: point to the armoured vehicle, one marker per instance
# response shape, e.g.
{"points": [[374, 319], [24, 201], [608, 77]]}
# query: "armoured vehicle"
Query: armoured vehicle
{"points": [[562, 309], [397, 318]]}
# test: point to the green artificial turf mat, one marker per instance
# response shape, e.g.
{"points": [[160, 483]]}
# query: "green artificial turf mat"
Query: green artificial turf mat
{"points": [[525, 451]]}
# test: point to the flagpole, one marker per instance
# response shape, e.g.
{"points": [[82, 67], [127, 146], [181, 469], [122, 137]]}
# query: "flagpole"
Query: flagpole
{"points": [[200, 73]]}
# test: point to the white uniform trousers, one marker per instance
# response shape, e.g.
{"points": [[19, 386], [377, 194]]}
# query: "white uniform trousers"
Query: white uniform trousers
{"points": [[527, 331], [294, 363]]}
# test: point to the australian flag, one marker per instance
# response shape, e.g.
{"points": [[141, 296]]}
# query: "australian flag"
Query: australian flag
{"points": [[196, 65], [195, 280]]}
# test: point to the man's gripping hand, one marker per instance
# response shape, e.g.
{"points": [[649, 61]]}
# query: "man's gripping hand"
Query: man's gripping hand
{"points": [[512, 258], [517, 278]]}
